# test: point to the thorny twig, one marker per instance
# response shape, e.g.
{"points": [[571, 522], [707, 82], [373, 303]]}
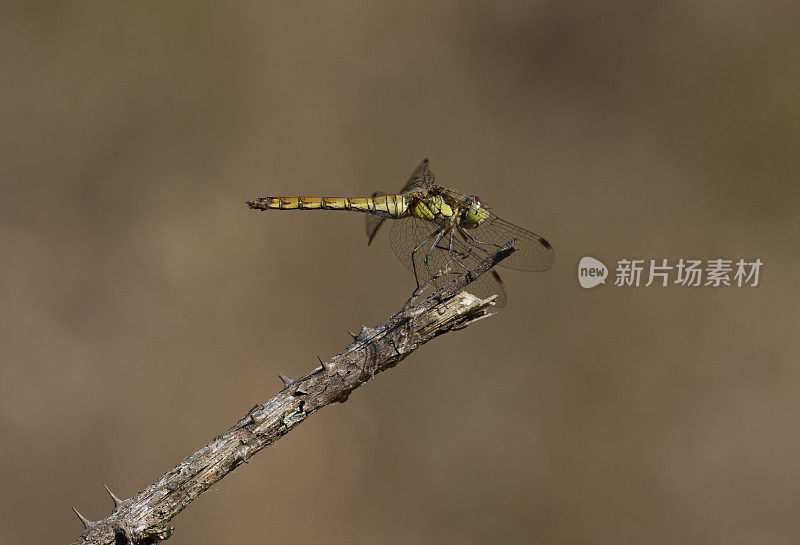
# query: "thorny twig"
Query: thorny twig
{"points": [[143, 519]]}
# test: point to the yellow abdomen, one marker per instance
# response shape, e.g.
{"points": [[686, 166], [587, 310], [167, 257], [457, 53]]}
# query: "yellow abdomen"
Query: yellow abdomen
{"points": [[393, 206]]}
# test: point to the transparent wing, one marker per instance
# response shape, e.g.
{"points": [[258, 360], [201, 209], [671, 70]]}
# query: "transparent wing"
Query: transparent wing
{"points": [[489, 284], [411, 238], [436, 255], [422, 177], [534, 253]]}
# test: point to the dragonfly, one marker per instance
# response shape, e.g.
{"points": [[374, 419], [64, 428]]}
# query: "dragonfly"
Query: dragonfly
{"points": [[434, 231]]}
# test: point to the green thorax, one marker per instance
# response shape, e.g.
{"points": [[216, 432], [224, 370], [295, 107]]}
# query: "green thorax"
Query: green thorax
{"points": [[442, 210], [433, 208]]}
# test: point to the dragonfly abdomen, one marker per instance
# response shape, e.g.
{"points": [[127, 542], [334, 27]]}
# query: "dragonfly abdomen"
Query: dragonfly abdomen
{"points": [[392, 206]]}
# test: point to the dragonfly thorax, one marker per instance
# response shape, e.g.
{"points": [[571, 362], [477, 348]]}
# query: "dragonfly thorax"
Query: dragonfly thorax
{"points": [[469, 213], [433, 208]]}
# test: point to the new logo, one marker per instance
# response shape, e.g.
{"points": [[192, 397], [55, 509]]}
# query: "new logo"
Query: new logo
{"points": [[591, 272]]}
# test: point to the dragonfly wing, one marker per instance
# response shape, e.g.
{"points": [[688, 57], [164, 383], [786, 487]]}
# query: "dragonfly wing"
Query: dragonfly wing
{"points": [[534, 253], [466, 254], [411, 238], [437, 255], [489, 284], [421, 177], [492, 284]]}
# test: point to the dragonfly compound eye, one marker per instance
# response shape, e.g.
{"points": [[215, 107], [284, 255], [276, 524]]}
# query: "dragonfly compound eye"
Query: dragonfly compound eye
{"points": [[474, 214]]}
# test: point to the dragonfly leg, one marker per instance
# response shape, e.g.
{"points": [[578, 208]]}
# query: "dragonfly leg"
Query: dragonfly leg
{"points": [[453, 258], [498, 282], [414, 255], [472, 242], [469, 236], [430, 251], [427, 263]]}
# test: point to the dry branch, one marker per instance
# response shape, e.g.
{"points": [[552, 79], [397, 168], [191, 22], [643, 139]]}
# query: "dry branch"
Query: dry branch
{"points": [[143, 519]]}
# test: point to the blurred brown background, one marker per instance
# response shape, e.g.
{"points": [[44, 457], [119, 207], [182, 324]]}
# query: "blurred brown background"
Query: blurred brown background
{"points": [[145, 308]]}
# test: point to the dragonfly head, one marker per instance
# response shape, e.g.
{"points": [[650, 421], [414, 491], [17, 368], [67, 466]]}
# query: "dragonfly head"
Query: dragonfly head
{"points": [[474, 214]]}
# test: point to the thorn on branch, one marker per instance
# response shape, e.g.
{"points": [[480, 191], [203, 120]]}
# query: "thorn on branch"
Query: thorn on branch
{"points": [[116, 500], [325, 365], [86, 522], [286, 381]]}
